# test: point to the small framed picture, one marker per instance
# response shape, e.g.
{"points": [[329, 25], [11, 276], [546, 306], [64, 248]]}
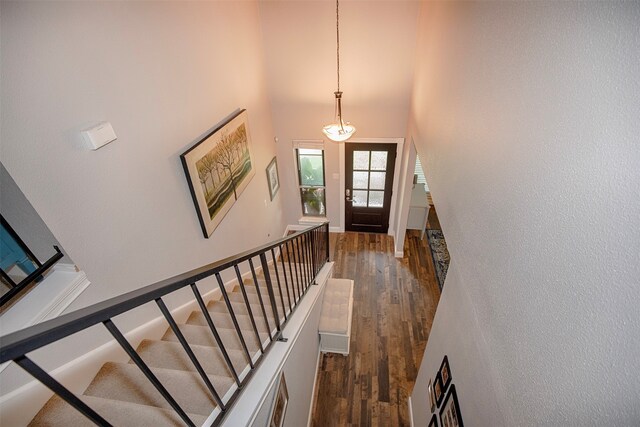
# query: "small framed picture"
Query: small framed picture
{"points": [[450, 412], [434, 421], [438, 390], [272, 178], [445, 373], [432, 399], [280, 403]]}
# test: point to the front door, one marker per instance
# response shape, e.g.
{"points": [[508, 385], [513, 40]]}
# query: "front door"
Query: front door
{"points": [[368, 182]]}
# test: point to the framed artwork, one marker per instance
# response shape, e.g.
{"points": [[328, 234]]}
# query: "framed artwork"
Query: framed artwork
{"points": [[445, 373], [450, 412], [438, 390], [218, 169], [279, 404], [272, 178], [434, 421], [432, 398]]}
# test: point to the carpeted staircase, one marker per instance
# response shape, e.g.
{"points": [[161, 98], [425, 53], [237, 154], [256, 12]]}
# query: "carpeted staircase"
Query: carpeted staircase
{"points": [[124, 397]]}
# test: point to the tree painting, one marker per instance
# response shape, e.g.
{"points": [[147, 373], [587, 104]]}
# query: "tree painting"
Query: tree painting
{"points": [[221, 170]]}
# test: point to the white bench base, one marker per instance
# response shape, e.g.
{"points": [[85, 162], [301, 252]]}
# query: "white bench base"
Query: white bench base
{"points": [[336, 316]]}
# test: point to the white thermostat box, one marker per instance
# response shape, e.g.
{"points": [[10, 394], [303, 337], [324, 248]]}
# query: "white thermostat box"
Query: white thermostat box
{"points": [[99, 135]]}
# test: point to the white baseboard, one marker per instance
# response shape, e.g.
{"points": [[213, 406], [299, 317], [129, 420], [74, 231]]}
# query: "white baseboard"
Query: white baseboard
{"points": [[313, 395], [335, 229], [399, 254], [410, 412]]}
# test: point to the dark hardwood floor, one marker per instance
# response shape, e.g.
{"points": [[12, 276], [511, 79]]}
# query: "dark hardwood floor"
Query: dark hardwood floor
{"points": [[394, 305]]}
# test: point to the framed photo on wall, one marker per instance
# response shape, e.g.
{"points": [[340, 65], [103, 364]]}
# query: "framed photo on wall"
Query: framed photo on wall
{"points": [[272, 178], [434, 421], [280, 402], [438, 390], [450, 412], [445, 373], [218, 169]]}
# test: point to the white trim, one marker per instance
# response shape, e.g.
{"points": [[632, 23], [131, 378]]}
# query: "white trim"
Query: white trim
{"points": [[335, 229], [399, 254], [48, 299], [396, 176], [410, 412], [308, 143], [313, 395]]}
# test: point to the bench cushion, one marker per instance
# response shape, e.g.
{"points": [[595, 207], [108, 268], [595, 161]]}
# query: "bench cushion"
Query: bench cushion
{"points": [[336, 306]]}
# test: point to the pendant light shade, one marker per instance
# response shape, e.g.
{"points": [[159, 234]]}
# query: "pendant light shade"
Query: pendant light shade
{"points": [[339, 131]]}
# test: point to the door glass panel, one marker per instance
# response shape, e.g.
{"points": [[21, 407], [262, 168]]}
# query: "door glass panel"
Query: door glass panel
{"points": [[379, 160], [361, 180], [377, 180], [376, 199], [361, 160], [359, 198]]}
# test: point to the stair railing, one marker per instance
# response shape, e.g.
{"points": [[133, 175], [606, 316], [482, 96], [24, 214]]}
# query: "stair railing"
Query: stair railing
{"points": [[289, 265]]}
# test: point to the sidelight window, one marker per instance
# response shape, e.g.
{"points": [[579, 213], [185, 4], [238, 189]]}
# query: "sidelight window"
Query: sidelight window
{"points": [[311, 181]]}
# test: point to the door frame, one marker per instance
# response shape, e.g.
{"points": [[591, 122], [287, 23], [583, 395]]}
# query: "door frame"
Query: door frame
{"points": [[396, 177]]}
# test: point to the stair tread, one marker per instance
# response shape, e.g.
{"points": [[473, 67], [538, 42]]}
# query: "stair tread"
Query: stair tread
{"points": [[125, 382], [201, 335], [118, 413], [171, 355]]}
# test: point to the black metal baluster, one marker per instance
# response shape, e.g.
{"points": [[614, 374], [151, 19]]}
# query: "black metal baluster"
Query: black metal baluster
{"points": [[38, 373], [146, 371], [275, 267], [307, 249], [272, 297], [264, 312], [314, 252], [300, 263], [296, 265], [326, 241], [293, 284], [248, 305], [286, 282], [225, 296], [174, 327], [216, 336]]}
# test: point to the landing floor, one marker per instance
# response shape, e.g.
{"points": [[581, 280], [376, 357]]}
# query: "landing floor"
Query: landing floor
{"points": [[394, 305]]}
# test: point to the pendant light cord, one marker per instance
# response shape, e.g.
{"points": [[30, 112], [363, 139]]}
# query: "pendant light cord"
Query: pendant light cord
{"points": [[338, 41]]}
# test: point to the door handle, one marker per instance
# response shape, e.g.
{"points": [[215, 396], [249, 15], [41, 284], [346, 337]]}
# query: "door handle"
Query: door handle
{"points": [[348, 199]]}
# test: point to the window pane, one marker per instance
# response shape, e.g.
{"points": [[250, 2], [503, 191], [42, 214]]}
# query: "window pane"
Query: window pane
{"points": [[361, 160], [359, 198], [376, 199], [311, 170], [377, 180], [361, 180], [313, 203], [379, 160]]}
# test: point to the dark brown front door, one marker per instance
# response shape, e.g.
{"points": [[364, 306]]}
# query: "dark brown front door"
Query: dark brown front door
{"points": [[368, 182]]}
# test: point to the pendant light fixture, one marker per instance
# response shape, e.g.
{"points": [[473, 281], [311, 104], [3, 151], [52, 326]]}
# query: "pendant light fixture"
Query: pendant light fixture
{"points": [[338, 131]]}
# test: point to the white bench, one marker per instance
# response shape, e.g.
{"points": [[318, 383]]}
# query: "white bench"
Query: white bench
{"points": [[335, 318]]}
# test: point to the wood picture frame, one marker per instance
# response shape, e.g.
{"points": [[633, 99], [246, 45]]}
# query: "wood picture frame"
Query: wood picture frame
{"points": [[445, 373], [434, 421], [450, 415], [280, 402], [218, 168], [273, 179], [438, 390], [432, 398]]}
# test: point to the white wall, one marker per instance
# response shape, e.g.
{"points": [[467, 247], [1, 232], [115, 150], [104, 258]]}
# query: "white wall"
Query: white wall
{"points": [[163, 73], [526, 117], [377, 40]]}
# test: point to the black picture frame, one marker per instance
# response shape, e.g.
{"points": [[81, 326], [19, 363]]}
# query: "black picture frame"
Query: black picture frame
{"points": [[438, 390], [273, 178], [434, 421], [218, 168], [445, 373], [450, 415]]}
